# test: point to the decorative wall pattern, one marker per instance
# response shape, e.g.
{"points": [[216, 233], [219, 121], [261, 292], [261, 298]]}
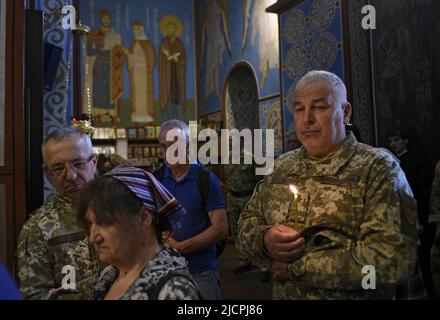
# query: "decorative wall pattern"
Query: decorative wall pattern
{"points": [[406, 60], [311, 39], [57, 102], [362, 102], [271, 118]]}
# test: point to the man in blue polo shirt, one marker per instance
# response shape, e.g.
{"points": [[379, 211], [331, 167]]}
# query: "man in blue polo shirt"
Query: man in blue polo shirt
{"points": [[205, 222]]}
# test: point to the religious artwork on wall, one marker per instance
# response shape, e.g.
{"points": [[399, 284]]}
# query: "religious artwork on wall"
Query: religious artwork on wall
{"points": [[172, 69], [406, 60], [264, 31], [105, 58], [241, 104], [312, 39], [215, 43], [271, 118], [139, 60], [231, 32]]}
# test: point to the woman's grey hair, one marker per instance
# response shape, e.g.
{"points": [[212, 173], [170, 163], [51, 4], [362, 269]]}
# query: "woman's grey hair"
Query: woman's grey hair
{"points": [[330, 79], [64, 133], [175, 124]]}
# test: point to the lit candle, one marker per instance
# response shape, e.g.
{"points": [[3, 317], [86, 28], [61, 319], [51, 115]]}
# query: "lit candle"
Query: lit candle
{"points": [[295, 201]]}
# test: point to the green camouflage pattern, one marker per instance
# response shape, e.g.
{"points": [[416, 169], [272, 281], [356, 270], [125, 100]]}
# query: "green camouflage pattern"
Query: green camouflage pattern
{"points": [[240, 178], [435, 218], [51, 239], [355, 208]]}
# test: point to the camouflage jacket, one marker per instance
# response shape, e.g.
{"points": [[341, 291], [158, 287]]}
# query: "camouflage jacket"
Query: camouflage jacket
{"points": [[50, 240], [165, 262], [355, 208]]}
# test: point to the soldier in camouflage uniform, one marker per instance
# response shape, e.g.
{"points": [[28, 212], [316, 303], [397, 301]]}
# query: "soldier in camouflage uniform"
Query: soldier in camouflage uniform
{"points": [[354, 207], [241, 180], [52, 238], [435, 218]]}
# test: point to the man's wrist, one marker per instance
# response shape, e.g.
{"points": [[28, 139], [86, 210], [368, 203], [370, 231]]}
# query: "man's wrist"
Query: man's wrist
{"points": [[265, 251]]}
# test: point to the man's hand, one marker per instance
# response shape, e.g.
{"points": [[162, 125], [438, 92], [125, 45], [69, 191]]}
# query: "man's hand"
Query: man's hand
{"points": [[279, 270], [284, 243]]}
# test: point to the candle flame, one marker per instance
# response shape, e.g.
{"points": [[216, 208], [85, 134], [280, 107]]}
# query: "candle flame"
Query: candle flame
{"points": [[293, 189]]}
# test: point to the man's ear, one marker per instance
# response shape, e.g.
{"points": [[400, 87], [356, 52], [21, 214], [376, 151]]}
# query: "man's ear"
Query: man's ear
{"points": [[346, 108]]}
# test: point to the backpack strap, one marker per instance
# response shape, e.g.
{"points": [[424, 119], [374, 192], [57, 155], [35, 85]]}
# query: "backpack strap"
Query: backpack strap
{"points": [[153, 291], [203, 183]]}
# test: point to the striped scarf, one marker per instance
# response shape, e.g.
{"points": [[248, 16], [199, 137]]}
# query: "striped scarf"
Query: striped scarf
{"points": [[153, 195]]}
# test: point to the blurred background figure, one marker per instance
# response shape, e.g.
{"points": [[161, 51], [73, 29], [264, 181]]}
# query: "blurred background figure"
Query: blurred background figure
{"points": [[419, 173]]}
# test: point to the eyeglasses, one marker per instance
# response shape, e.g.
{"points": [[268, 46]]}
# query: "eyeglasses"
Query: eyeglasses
{"points": [[60, 170]]}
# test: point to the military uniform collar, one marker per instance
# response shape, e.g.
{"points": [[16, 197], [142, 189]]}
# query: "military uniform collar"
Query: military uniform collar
{"points": [[327, 166], [61, 200]]}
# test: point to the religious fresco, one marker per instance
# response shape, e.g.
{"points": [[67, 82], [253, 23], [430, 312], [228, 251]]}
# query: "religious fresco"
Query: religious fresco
{"points": [[238, 31], [139, 60], [271, 118], [311, 39], [241, 100], [406, 60]]}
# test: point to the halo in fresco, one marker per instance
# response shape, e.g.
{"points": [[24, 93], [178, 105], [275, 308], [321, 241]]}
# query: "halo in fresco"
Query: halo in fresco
{"points": [[321, 14], [295, 26], [296, 62], [324, 51]]}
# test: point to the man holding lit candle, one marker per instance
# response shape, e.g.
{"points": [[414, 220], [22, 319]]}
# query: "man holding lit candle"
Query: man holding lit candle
{"points": [[352, 208]]}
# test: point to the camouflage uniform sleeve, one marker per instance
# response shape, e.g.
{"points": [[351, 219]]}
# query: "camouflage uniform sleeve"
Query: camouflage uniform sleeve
{"points": [[35, 269], [251, 225], [387, 238], [34, 265]]}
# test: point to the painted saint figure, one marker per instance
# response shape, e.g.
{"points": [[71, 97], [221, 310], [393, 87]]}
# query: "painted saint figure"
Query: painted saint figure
{"points": [[172, 70], [105, 59], [141, 62]]}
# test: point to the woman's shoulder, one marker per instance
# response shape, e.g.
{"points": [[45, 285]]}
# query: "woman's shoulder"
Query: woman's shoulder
{"points": [[179, 287]]}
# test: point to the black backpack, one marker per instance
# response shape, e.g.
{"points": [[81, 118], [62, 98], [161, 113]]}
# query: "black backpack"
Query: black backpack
{"points": [[204, 187]]}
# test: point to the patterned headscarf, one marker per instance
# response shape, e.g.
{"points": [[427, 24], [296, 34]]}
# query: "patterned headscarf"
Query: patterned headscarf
{"points": [[153, 195]]}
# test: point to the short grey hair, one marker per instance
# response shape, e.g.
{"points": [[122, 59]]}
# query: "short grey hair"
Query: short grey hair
{"points": [[335, 84], [175, 124], [64, 133]]}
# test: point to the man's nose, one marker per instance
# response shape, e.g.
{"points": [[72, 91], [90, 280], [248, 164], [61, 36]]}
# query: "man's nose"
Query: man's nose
{"points": [[309, 116], [70, 173]]}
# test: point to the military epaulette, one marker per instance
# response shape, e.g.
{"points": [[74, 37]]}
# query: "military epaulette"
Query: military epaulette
{"points": [[338, 182], [81, 235]]}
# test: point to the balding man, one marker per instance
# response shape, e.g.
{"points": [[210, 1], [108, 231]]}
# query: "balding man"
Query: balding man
{"points": [[55, 260]]}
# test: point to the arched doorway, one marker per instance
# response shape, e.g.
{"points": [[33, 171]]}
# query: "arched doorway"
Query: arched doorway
{"points": [[241, 98]]}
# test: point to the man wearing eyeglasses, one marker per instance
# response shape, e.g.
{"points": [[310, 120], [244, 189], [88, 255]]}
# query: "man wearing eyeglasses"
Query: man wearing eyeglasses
{"points": [[55, 260]]}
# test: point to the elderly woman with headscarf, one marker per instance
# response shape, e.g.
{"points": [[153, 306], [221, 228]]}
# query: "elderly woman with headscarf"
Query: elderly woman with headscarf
{"points": [[128, 214]]}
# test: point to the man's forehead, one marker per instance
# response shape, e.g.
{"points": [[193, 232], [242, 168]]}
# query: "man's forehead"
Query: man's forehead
{"points": [[65, 150], [318, 91]]}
